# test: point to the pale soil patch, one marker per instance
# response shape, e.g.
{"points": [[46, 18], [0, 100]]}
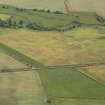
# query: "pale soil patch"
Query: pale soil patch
{"points": [[4, 17], [21, 88]]}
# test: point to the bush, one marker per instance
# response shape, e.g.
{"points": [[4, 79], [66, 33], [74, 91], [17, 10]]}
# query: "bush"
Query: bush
{"points": [[58, 12], [48, 11]]}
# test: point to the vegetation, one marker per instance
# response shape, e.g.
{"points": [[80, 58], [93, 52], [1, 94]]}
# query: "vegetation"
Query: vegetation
{"points": [[79, 46], [77, 102], [53, 5], [95, 72], [20, 57], [45, 20], [67, 50], [70, 83]]}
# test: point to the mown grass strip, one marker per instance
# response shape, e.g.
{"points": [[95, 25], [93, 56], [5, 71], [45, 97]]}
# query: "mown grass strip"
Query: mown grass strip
{"points": [[76, 65], [19, 56], [93, 77], [77, 98]]}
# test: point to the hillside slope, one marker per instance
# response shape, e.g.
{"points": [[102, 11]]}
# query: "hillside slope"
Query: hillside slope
{"points": [[76, 5], [46, 20]]}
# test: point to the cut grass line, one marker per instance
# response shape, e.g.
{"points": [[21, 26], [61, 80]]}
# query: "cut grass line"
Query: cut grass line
{"points": [[90, 77], [77, 98], [19, 56], [85, 72], [76, 65]]}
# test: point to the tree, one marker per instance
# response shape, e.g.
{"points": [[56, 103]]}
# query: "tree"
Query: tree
{"points": [[58, 12], [21, 22], [10, 22], [48, 11]]}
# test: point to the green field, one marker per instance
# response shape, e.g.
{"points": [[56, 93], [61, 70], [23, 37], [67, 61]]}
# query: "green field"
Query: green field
{"points": [[75, 5], [77, 102], [47, 21], [68, 82]]}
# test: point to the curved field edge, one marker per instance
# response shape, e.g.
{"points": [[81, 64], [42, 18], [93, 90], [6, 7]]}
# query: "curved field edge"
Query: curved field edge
{"points": [[49, 21], [19, 56]]}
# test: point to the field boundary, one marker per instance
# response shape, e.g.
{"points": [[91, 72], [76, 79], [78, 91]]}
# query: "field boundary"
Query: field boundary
{"points": [[31, 62], [91, 78], [76, 65], [79, 98], [86, 73], [19, 56], [15, 70]]}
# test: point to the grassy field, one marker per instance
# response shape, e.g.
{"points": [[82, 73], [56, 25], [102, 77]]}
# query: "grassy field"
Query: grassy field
{"points": [[79, 46], [41, 20], [70, 83], [77, 102], [20, 88], [95, 72], [80, 5], [52, 38], [7, 62]]}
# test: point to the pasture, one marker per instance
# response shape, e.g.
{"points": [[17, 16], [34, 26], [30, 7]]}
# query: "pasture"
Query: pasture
{"points": [[79, 46], [70, 83], [77, 102], [20, 88], [45, 20], [80, 5]]}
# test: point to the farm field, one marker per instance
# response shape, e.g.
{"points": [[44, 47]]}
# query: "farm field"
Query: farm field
{"points": [[46, 20], [52, 52], [79, 46], [95, 72], [20, 88], [7, 62], [70, 83], [80, 5]]}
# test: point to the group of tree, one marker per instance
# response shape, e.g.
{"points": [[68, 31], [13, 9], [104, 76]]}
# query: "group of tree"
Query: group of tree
{"points": [[38, 10], [11, 24]]}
